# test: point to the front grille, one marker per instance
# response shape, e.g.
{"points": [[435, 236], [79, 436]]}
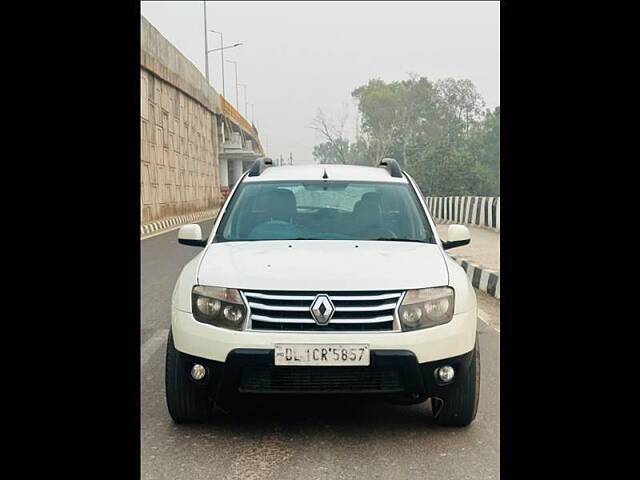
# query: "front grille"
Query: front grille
{"points": [[259, 379], [354, 311]]}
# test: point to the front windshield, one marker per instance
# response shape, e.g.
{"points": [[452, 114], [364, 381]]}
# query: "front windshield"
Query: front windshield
{"points": [[324, 210]]}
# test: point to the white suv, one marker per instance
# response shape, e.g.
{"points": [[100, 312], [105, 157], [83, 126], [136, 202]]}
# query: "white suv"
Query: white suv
{"points": [[323, 279]]}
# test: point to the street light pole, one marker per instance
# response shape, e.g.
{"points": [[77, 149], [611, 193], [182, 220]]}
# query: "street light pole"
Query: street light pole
{"points": [[222, 52], [236, 65], [206, 47], [246, 111], [223, 49], [222, 62]]}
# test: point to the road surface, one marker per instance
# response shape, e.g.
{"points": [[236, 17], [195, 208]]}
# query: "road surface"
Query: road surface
{"points": [[308, 440]]}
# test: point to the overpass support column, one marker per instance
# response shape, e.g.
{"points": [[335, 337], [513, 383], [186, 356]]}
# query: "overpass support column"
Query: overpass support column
{"points": [[224, 173], [235, 170]]}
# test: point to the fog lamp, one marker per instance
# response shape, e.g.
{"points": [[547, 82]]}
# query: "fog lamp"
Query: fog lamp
{"points": [[446, 373], [198, 372]]}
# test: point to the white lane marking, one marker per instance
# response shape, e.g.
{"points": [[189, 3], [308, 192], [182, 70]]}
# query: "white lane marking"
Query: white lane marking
{"points": [[484, 316], [150, 346]]}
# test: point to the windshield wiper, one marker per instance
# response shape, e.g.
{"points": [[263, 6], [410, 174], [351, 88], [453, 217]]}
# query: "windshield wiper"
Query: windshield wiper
{"points": [[383, 239]]}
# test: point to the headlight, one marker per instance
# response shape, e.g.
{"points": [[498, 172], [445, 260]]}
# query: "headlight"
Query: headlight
{"points": [[426, 308], [222, 307]]}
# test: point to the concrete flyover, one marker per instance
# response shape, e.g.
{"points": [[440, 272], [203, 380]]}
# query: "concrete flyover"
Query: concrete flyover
{"points": [[193, 143], [241, 145]]}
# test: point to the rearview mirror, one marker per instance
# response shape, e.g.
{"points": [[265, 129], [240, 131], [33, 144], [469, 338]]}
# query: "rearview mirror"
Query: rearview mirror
{"points": [[457, 236], [191, 234]]}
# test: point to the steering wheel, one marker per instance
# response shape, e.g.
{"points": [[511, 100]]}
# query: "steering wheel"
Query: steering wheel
{"points": [[266, 228], [275, 222], [378, 232]]}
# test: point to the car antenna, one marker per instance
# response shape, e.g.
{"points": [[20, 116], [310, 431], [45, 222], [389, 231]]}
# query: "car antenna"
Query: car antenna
{"points": [[325, 176]]}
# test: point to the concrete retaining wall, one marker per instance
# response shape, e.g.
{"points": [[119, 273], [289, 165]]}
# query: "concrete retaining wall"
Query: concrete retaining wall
{"points": [[159, 56], [476, 211], [179, 135]]}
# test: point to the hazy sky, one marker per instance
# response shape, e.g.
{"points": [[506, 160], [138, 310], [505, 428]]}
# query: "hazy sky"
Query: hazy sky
{"points": [[297, 57]]}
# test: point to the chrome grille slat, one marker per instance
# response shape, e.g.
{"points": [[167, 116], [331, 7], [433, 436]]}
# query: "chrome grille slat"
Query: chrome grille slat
{"points": [[386, 306], [338, 297], [278, 297], [260, 306], [263, 318], [290, 311]]}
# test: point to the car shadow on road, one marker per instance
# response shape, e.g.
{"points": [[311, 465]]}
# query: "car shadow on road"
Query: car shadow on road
{"points": [[296, 416]]}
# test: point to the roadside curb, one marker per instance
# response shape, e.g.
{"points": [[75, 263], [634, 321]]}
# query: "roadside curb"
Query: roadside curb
{"points": [[481, 277], [473, 211], [147, 229]]}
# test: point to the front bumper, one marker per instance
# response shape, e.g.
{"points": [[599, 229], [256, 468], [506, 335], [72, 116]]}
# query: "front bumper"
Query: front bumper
{"points": [[227, 380], [428, 345]]}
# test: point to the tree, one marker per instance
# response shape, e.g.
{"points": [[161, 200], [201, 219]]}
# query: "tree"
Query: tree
{"points": [[379, 105], [334, 136], [460, 103], [438, 131], [449, 170], [331, 151], [483, 142], [354, 153]]}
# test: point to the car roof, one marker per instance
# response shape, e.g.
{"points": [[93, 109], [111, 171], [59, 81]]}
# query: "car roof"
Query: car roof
{"points": [[354, 173]]}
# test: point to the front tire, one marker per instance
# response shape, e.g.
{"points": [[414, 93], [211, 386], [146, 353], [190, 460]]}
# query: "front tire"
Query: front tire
{"points": [[186, 401], [460, 405]]}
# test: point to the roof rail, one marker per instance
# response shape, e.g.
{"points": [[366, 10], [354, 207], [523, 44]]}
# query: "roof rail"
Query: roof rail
{"points": [[259, 165], [392, 166]]}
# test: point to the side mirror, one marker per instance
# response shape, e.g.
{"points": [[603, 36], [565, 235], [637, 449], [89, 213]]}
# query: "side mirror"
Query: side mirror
{"points": [[457, 236], [191, 234]]}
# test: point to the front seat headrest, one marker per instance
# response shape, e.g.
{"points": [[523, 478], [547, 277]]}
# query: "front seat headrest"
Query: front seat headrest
{"points": [[281, 204], [367, 213], [372, 197]]}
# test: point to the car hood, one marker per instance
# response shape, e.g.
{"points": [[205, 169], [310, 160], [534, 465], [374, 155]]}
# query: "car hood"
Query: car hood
{"points": [[323, 265]]}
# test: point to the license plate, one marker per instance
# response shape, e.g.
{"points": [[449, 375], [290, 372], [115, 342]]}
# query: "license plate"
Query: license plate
{"points": [[322, 354]]}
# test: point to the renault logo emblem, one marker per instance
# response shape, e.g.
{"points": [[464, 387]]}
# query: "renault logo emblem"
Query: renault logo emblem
{"points": [[322, 309]]}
